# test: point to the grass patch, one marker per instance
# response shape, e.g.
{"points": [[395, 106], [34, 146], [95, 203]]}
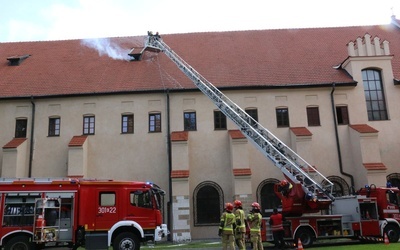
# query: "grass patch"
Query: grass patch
{"points": [[217, 244], [371, 246]]}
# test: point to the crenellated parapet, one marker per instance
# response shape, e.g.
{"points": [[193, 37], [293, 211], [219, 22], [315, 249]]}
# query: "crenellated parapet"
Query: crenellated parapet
{"points": [[368, 46]]}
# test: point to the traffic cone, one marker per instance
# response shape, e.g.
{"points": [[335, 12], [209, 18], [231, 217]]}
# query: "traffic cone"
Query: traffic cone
{"points": [[386, 239], [299, 245]]}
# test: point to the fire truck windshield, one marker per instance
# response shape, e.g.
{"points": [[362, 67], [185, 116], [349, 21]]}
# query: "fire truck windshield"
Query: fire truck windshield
{"points": [[158, 196]]}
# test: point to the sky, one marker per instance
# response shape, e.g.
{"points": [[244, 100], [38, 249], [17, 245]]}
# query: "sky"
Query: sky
{"points": [[41, 20]]}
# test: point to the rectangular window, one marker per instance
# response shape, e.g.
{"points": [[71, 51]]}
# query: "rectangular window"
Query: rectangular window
{"points": [[282, 117], [127, 124], [54, 126], [141, 199], [342, 115], [189, 121], [253, 113], [219, 120], [374, 95], [107, 199], [313, 116], [155, 122], [88, 125], [20, 128]]}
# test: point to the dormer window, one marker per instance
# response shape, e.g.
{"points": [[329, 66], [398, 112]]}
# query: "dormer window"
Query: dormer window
{"points": [[16, 60]]}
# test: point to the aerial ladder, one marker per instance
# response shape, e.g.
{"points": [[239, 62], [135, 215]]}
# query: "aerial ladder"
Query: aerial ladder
{"points": [[311, 191]]}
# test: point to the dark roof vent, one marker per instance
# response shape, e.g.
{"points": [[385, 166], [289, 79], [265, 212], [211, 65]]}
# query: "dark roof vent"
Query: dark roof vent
{"points": [[16, 60], [136, 53]]}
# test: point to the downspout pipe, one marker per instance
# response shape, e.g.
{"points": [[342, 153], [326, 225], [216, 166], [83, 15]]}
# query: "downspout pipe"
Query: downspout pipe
{"points": [[169, 150], [337, 140], [32, 136]]}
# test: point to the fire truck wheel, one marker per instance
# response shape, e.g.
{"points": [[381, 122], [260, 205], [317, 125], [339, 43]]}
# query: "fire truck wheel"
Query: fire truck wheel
{"points": [[306, 236], [19, 242], [392, 232], [126, 241]]}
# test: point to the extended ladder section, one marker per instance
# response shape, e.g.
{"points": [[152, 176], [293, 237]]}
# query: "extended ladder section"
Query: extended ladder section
{"points": [[291, 164]]}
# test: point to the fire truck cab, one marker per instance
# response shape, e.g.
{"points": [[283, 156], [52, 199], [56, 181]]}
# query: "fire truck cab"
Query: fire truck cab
{"points": [[95, 214]]}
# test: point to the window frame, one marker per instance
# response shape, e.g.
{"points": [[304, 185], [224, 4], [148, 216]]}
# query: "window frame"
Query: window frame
{"points": [[156, 127], [189, 121], [89, 125], [313, 118], [342, 115], [282, 119], [374, 95], [21, 127], [54, 127], [127, 124], [104, 199], [220, 122], [253, 113]]}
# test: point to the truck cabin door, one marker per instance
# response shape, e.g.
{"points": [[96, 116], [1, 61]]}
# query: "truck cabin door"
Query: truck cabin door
{"points": [[369, 218], [141, 207], [106, 209]]}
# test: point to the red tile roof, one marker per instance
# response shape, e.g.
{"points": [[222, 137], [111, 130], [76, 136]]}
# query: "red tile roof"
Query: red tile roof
{"points": [[260, 58], [14, 143], [180, 136], [374, 166], [363, 128], [179, 173], [301, 131], [236, 134], [241, 171], [77, 141]]}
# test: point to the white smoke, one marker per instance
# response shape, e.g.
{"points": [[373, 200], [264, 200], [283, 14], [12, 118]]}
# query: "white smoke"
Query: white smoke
{"points": [[105, 46]]}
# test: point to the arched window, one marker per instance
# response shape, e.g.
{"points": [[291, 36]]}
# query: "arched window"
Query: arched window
{"points": [[208, 204], [267, 197], [340, 186], [394, 179], [374, 95]]}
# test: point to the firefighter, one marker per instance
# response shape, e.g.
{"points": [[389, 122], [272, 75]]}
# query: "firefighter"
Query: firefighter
{"points": [[227, 227], [240, 231], [254, 219], [285, 187], [276, 222]]}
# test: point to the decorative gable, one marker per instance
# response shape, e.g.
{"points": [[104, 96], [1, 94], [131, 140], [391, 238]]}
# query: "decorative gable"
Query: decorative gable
{"points": [[367, 46]]}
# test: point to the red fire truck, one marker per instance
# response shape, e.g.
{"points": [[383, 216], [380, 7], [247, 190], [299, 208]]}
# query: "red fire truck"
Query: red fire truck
{"points": [[96, 214], [367, 215]]}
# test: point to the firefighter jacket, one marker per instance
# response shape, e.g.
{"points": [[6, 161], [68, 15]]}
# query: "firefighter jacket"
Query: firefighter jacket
{"points": [[228, 223], [276, 221], [254, 220], [240, 223]]}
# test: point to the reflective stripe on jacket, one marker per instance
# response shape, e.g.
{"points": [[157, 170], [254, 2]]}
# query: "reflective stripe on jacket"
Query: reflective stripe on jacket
{"points": [[227, 222], [254, 222], [239, 214], [276, 222]]}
